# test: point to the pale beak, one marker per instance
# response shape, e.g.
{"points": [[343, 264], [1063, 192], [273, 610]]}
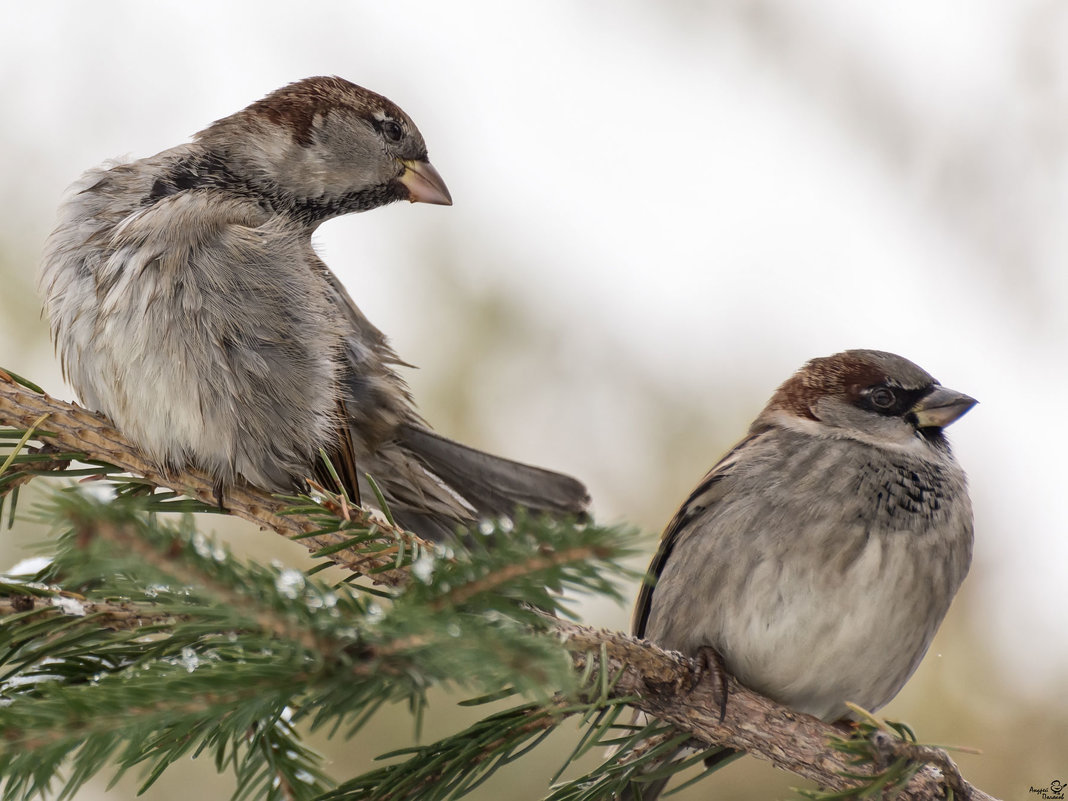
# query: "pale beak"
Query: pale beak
{"points": [[423, 183], [940, 407]]}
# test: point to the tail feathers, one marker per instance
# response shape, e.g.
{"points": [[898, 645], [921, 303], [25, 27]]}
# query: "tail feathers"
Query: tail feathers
{"points": [[492, 485], [434, 528], [418, 500]]}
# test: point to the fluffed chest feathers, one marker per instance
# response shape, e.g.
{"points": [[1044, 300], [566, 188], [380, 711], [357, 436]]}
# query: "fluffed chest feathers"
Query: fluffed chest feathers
{"points": [[197, 311], [883, 490], [896, 488]]}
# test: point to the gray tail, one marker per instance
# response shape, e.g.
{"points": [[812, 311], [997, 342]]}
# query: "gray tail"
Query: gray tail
{"points": [[492, 485]]}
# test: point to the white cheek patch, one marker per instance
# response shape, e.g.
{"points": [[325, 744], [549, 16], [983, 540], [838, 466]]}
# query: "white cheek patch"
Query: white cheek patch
{"points": [[902, 438]]}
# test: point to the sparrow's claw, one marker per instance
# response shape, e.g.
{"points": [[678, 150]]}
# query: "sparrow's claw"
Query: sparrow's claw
{"points": [[710, 663], [846, 726], [218, 491]]}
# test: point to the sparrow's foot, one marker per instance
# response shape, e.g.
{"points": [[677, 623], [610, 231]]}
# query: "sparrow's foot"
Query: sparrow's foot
{"points": [[219, 492], [710, 663], [846, 726]]}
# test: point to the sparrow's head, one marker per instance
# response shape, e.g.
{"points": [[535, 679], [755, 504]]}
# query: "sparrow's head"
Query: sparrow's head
{"points": [[869, 395], [322, 147]]}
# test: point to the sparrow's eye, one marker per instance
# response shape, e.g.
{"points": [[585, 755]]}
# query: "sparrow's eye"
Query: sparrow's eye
{"points": [[392, 130], [883, 398]]}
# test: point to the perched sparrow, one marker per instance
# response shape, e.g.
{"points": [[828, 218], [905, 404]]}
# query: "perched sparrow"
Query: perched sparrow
{"points": [[188, 305], [819, 556]]}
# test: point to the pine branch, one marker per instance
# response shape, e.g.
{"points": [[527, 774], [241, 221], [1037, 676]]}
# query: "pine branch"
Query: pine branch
{"points": [[74, 434], [467, 619], [115, 615], [234, 646], [665, 684], [621, 672], [457, 765]]}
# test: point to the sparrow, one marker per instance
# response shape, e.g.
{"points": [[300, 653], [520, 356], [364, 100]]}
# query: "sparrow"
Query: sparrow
{"points": [[817, 559], [188, 306]]}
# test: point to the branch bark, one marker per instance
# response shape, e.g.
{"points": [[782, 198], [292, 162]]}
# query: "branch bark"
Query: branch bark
{"points": [[118, 615]]}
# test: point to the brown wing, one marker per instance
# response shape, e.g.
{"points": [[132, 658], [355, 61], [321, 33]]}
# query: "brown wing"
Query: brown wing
{"points": [[705, 496]]}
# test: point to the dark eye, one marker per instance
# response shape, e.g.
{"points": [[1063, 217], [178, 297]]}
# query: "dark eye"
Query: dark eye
{"points": [[883, 398], [392, 131]]}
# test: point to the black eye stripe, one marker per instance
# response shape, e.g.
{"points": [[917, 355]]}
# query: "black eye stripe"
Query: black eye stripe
{"points": [[890, 401]]}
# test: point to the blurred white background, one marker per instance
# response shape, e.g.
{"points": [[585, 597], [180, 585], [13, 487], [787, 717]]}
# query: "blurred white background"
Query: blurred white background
{"points": [[661, 210]]}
